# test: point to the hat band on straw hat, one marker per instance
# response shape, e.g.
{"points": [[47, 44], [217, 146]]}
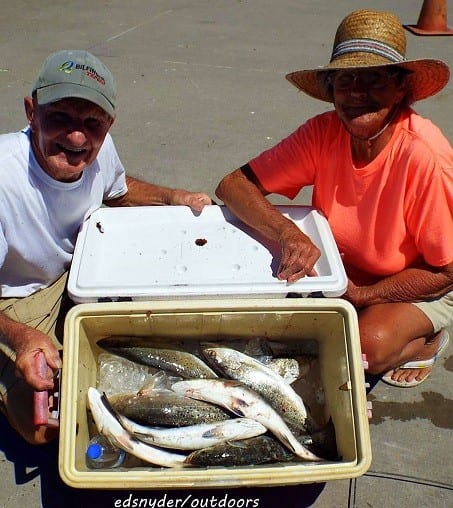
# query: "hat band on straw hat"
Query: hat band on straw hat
{"points": [[368, 38], [367, 46]]}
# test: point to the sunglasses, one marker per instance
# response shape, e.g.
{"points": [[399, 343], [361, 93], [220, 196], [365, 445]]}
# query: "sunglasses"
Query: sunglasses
{"points": [[372, 79]]}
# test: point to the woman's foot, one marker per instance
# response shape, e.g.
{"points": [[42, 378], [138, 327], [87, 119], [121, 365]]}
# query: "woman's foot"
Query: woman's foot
{"points": [[415, 372]]}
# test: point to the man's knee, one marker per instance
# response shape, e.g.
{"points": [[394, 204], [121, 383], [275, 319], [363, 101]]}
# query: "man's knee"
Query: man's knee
{"points": [[18, 407], [24, 426]]}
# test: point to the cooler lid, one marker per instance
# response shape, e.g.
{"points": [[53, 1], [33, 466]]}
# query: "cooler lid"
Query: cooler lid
{"points": [[165, 252]]}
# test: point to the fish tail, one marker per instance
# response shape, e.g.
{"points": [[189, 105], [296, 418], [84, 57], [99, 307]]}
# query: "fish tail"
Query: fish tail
{"points": [[306, 454], [297, 448], [289, 443]]}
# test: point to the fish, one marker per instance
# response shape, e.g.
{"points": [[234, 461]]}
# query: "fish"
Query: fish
{"points": [[108, 424], [166, 408], [194, 437], [243, 401], [322, 442], [293, 348], [180, 363], [287, 368], [252, 451], [280, 395]]}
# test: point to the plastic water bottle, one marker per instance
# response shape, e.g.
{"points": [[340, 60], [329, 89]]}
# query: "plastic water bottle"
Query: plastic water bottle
{"points": [[101, 454]]}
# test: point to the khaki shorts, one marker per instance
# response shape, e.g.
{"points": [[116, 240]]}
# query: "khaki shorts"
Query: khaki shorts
{"points": [[439, 312], [44, 310]]}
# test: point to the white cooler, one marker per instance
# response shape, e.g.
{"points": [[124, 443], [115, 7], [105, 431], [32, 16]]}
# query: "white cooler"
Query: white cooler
{"points": [[169, 252], [167, 273]]}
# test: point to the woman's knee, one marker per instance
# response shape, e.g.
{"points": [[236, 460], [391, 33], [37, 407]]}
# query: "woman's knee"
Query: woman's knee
{"points": [[386, 330], [374, 343]]}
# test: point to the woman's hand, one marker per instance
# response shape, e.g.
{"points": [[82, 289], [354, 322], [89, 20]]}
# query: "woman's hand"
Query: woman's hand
{"points": [[355, 295], [299, 255]]}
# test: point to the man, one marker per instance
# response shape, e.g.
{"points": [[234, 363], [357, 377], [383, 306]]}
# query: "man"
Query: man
{"points": [[53, 175]]}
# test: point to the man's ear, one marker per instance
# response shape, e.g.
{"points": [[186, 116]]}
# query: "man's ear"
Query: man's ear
{"points": [[29, 109]]}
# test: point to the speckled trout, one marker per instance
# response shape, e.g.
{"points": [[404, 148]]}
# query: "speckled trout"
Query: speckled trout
{"points": [[166, 408], [181, 363], [253, 451], [108, 425], [195, 437], [287, 368], [263, 380], [243, 401]]}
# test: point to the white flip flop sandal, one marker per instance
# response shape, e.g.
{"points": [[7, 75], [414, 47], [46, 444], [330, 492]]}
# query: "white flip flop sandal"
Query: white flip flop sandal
{"points": [[417, 364]]}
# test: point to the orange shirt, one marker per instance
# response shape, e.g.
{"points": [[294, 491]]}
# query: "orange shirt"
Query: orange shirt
{"points": [[386, 216]]}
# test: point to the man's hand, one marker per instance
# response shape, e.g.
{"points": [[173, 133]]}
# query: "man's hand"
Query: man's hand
{"points": [[33, 342], [196, 200], [142, 193]]}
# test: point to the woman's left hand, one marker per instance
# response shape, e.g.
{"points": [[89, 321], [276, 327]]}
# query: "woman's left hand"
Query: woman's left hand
{"points": [[355, 295]]}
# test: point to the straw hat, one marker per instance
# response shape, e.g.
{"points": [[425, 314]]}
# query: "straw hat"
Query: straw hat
{"points": [[367, 38]]}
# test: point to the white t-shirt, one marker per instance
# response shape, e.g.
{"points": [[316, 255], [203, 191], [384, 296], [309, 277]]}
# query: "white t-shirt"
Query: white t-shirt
{"points": [[40, 217]]}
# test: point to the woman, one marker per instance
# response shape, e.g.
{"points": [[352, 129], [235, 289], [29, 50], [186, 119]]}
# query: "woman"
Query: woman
{"points": [[383, 177]]}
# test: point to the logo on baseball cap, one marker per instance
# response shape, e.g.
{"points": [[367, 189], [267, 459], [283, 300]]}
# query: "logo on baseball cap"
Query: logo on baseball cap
{"points": [[78, 74]]}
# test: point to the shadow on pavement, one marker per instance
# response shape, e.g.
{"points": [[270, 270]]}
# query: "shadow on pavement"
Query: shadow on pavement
{"points": [[33, 461]]}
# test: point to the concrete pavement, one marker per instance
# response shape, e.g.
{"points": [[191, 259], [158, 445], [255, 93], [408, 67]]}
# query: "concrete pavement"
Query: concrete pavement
{"points": [[201, 90]]}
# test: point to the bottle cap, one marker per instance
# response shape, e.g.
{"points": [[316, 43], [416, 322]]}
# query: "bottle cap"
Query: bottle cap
{"points": [[94, 451]]}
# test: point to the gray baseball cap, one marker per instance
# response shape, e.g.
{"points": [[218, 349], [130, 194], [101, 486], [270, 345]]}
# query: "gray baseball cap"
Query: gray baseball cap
{"points": [[78, 74]]}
